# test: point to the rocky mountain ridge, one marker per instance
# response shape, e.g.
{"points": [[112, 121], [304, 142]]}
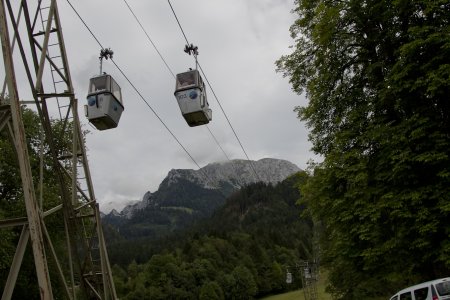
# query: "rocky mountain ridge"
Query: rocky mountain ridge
{"points": [[224, 177]]}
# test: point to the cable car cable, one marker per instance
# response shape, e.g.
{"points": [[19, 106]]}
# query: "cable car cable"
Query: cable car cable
{"points": [[215, 96], [145, 101], [154, 112], [141, 96], [179, 24], [148, 36], [231, 126], [218, 144], [84, 23], [135, 89], [170, 70], [168, 67]]}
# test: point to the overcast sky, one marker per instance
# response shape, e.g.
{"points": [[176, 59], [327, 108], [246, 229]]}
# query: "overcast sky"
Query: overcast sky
{"points": [[239, 42]]}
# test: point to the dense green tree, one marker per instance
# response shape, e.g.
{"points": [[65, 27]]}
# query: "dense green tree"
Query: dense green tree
{"points": [[377, 77], [156, 293], [7, 249], [133, 269], [211, 290], [226, 281], [120, 279], [203, 270], [159, 264], [139, 292], [277, 278], [244, 286]]}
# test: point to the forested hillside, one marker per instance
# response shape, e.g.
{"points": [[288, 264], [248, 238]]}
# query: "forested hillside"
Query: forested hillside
{"points": [[241, 252], [184, 197], [175, 208]]}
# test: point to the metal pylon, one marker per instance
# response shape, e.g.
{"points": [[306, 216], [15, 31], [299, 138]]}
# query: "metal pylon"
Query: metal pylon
{"points": [[83, 269], [309, 275]]}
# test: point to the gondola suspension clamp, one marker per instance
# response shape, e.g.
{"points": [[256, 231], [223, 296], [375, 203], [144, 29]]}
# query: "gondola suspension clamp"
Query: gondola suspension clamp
{"points": [[105, 54], [192, 50]]}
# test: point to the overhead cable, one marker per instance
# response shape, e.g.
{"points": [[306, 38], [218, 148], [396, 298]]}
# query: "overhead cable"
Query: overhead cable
{"points": [[167, 66], [215, 96], [134, 87], [148, 37]]}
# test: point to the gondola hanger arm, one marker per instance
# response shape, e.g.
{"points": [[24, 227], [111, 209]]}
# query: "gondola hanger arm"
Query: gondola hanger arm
{"points": [[191, 49], [105, 53]]}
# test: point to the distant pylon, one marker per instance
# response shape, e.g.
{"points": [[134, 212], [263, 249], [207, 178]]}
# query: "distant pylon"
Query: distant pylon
{"points": [[309, 274]]}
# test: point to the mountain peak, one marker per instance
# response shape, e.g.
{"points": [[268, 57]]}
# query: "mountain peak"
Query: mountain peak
{"points": [[187, 195], [115, 213], [236, 172], [219, 178]]}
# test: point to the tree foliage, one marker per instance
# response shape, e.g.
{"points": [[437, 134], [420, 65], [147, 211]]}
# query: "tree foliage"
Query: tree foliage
{"points": [[377, 77]]}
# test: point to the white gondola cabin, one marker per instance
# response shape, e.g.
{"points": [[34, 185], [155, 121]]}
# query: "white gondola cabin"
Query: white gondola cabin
{"points": [[191, 96], [104, 102]]}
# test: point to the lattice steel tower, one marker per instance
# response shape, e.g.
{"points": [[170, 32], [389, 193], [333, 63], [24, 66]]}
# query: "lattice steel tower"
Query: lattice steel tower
{"points": [[81, 270]]}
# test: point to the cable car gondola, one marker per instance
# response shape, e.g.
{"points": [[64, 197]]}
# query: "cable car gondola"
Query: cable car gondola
{"points": [[191, 96], [104, 102], [104, 98]]}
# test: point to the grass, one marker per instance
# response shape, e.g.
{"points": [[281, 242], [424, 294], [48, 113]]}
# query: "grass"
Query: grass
{"points": [[298, 295]]}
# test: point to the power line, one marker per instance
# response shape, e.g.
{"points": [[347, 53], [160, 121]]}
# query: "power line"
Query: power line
{"points": [[215, 96], [134, 87]]}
